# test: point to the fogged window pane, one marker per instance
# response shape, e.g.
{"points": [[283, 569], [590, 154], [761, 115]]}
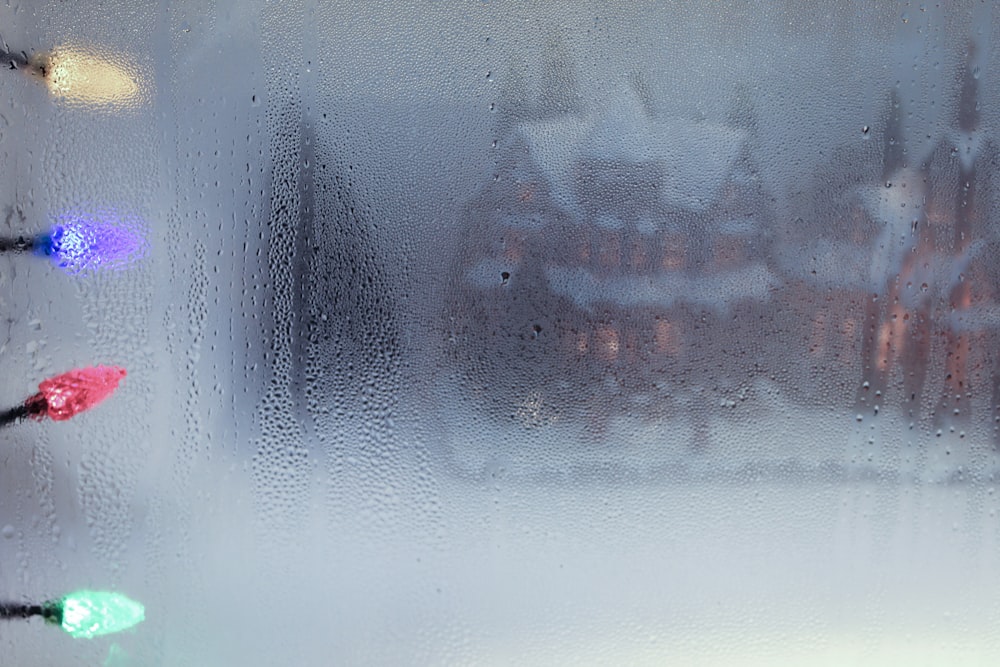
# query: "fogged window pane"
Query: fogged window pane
{"points": [[494, 333]]}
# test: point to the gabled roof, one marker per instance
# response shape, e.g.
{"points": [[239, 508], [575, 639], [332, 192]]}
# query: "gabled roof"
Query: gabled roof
{"points": [[696, 156]]}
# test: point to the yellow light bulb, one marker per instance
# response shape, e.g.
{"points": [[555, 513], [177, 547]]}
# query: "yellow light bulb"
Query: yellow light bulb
{"points": [[83, 77]]}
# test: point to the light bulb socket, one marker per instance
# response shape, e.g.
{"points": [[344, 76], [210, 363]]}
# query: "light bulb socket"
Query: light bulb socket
{"points": [[52, 612]]}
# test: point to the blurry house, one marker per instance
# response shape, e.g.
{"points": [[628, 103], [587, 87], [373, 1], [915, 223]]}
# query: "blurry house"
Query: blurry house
{"points": [[612, 254]]}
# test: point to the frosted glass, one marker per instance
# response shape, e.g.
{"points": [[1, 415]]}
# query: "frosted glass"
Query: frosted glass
{"points": [[504, 333]]}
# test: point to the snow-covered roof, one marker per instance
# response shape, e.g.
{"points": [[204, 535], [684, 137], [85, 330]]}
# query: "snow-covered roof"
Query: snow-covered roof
{"points": [[696, 156]]}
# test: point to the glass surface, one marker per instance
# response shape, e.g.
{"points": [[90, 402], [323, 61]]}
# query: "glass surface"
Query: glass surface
{"points": [[505, 333]]}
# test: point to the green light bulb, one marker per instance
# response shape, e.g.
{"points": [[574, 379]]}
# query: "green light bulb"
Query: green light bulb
{"points": [[93, 613]]}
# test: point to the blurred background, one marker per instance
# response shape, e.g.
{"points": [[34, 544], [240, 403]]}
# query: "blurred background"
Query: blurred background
{"points": [[493, 333]]}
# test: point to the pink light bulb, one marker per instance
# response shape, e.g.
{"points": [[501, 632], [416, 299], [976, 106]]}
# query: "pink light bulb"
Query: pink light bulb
{"points": [[66, 395]]}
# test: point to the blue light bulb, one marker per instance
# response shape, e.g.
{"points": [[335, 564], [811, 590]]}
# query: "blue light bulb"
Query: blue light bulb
{"points": [[78, 243]]}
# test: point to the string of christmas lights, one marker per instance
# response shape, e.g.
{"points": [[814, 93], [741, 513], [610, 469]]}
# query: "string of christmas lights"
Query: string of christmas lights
{"points": [[96, 80]]}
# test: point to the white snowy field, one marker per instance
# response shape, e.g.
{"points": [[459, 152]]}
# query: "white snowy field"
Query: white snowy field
{"points": [[499, 572]]}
